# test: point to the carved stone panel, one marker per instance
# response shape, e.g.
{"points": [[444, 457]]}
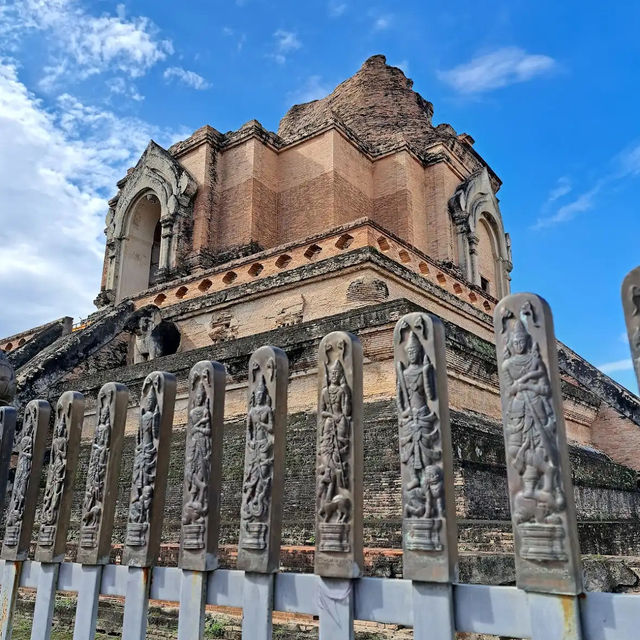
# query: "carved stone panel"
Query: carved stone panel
{"points": [[631, 306], [7, 431], [538, 472], [263, 479], [339, 457], [203, 468], [429, 533], [150, 466], [58, 490], [31, 444], [101, 492]]}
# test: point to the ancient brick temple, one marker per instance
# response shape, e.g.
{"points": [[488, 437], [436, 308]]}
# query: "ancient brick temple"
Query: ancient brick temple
{"points": [[358, 210]]}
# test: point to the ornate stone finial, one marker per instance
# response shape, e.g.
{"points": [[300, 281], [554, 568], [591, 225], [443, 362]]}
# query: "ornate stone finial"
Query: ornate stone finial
{"points": [[26, 484], [203, 468], [150, 467], [538, 472], [7, 381], [429, 533], [58, 491], [263, 480], [103, 475], [631, 306], [339, 458]]}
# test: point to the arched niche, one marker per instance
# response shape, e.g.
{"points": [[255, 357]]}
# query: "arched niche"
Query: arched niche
{"points": [[140, 246], [149, 221], [484, 254]]}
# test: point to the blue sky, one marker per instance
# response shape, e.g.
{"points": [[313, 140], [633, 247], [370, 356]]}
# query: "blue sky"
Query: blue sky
{"points": [[548, 90]]}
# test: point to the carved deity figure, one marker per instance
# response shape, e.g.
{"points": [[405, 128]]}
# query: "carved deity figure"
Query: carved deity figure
{"points": [[93, 498], [256, 489], [144, 463], [335, 411], [197, 464], [420, 446], [15, 511], [531, 431], [145, 347], [57, 470]]}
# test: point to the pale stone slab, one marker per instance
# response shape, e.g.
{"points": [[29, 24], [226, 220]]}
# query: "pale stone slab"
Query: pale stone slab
{"points": [[22, 506], [263, 480], [7, 432], [203, 468], [631, 306], [540, 490], [339, 457], [150, 467], [429, 532], [58, 491], [101, 492]]}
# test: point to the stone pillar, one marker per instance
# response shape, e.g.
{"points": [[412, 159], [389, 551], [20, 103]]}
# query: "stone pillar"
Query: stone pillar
{"points": [[166, 242], [473, 273], [203, 468], [263, 480], [7, 431], [631, 306], [339, 458], [429, 532], [26, 484], [150, 467], [58, 491], [103, 474], [543, 513]]}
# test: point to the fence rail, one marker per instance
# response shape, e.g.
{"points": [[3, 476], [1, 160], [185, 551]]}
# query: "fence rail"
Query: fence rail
{"points": [[548, 602]]}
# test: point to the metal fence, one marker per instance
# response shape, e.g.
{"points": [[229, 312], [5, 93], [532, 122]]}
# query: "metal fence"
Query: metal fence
{"points": [[547, 603]]}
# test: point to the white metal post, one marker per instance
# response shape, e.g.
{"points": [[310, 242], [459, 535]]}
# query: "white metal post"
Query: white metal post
{"points": [[10, 582], [257, 606], [433, 617], [554, 617], [45, 600], [136, 604], [336, 608], [192, 602], [87, 604]]}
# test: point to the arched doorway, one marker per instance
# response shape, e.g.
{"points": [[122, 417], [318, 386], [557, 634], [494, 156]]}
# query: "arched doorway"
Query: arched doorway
{"points": [[141, 246]]}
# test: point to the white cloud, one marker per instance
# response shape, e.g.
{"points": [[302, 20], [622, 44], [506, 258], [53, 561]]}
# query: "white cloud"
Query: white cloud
{"points": [[584, 202], [618, 365], [497, 69], [312, 89], [57, 169], [380, 23], [285, 42], [120, 87], [336, 8], [189, 78], [562, 188], [83, 45], [240, 38]]}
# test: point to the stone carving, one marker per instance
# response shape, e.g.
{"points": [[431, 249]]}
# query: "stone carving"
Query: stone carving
{"points": [[153, 337], [7, 431], [102, 475], [22, 505], [58, 491], [339, 456], [7, 381], [222, 327], [425, 449], [540, 489], [150, 464], [631, 305], [260, 512], [202, 473], [291, 313]]}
